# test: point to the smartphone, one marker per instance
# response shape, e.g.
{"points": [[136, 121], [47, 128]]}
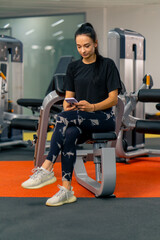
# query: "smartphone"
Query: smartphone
{"points": [[71, 100]]}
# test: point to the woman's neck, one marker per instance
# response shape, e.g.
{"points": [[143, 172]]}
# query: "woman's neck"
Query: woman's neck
{"points": [[90, 60]]}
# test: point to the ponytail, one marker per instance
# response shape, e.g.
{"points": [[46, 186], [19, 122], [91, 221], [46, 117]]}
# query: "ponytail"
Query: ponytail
{"points": [[88, 30]]}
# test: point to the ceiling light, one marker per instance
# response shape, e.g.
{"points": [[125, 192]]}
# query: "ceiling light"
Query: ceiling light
{"points": [[35, 47], [57, 33], [56, 23], [60, 38], [7, 25], [48, 48], [30, 32]]}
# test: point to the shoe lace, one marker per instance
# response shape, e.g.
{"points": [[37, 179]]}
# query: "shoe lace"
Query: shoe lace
{"points": [[36, 172], [62, 190]]}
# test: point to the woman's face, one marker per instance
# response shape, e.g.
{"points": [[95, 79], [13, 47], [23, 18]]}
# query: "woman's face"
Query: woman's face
{"points": [[85, 46]]}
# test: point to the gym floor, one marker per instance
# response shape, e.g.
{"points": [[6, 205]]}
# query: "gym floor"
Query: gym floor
{"points": [[134, 214]]}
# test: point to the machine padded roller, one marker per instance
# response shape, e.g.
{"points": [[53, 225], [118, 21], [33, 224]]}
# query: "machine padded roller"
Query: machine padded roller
{"points": [[148, 126], [30, 102], [104, 136], [24, 124], [37, 103], [149, 95]]}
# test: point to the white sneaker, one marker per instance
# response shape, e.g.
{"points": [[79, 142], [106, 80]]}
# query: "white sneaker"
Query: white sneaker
{"points": [[40, 178], [62, 197]]}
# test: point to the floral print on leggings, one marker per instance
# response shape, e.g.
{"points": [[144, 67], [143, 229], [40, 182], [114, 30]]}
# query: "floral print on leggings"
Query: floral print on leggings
{"points": [[70, 126]]}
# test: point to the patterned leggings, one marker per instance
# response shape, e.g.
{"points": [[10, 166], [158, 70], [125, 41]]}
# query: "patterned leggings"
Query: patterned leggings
{"points": [[70, 127]]}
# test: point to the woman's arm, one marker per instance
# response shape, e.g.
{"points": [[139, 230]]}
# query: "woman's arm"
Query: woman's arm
{"points": [[111, 101], [68, 106]]}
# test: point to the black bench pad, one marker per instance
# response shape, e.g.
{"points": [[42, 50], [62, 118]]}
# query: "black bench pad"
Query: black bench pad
{"points": [[104, 136]]}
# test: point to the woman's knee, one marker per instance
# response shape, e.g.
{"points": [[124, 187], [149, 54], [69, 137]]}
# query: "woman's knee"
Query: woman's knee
{"points": [[72, 134]]}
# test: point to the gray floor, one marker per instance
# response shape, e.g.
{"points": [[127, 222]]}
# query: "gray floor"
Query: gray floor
{"points": [[16, 153], [112, 219]]}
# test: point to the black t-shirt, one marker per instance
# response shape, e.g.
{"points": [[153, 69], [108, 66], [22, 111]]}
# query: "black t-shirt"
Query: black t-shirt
{"points": [[80, 78]]}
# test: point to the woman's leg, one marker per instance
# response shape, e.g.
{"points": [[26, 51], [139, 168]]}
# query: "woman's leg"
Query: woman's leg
{"points": [[44, 175], [88, 123], [57, 140], [68, 155], [68, 127]]}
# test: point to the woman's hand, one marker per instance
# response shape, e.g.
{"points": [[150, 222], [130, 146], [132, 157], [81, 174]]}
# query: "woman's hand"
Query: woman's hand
{"points": [[85, 106], [69, 107]]}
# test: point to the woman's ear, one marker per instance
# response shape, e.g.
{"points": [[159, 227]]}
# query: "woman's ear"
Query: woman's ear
{"points": [[96, 43]]}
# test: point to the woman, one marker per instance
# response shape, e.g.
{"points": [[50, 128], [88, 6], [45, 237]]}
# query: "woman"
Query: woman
{"points": [[94, 81]]}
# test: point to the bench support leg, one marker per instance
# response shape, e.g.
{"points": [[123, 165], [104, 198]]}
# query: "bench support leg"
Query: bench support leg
{"points": [[108, 177]]}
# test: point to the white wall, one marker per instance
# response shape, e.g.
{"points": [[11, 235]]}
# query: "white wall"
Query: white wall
{"points": [[143, 19], [98, 18]]}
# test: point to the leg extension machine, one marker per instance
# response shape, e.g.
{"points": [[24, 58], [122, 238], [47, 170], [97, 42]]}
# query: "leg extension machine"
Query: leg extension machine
{"points": [[103, 151]]}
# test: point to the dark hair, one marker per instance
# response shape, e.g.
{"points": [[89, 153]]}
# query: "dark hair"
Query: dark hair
{"points": [[87, 29]]}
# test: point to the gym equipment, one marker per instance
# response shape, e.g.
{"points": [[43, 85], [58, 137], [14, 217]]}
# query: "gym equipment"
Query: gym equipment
{"points": [[104, 144], [127, 49], [11, 79], [35, 104], [103, 149], [129, 122], [2, 93], [104, 159], [12, 122], [12, 47]]}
